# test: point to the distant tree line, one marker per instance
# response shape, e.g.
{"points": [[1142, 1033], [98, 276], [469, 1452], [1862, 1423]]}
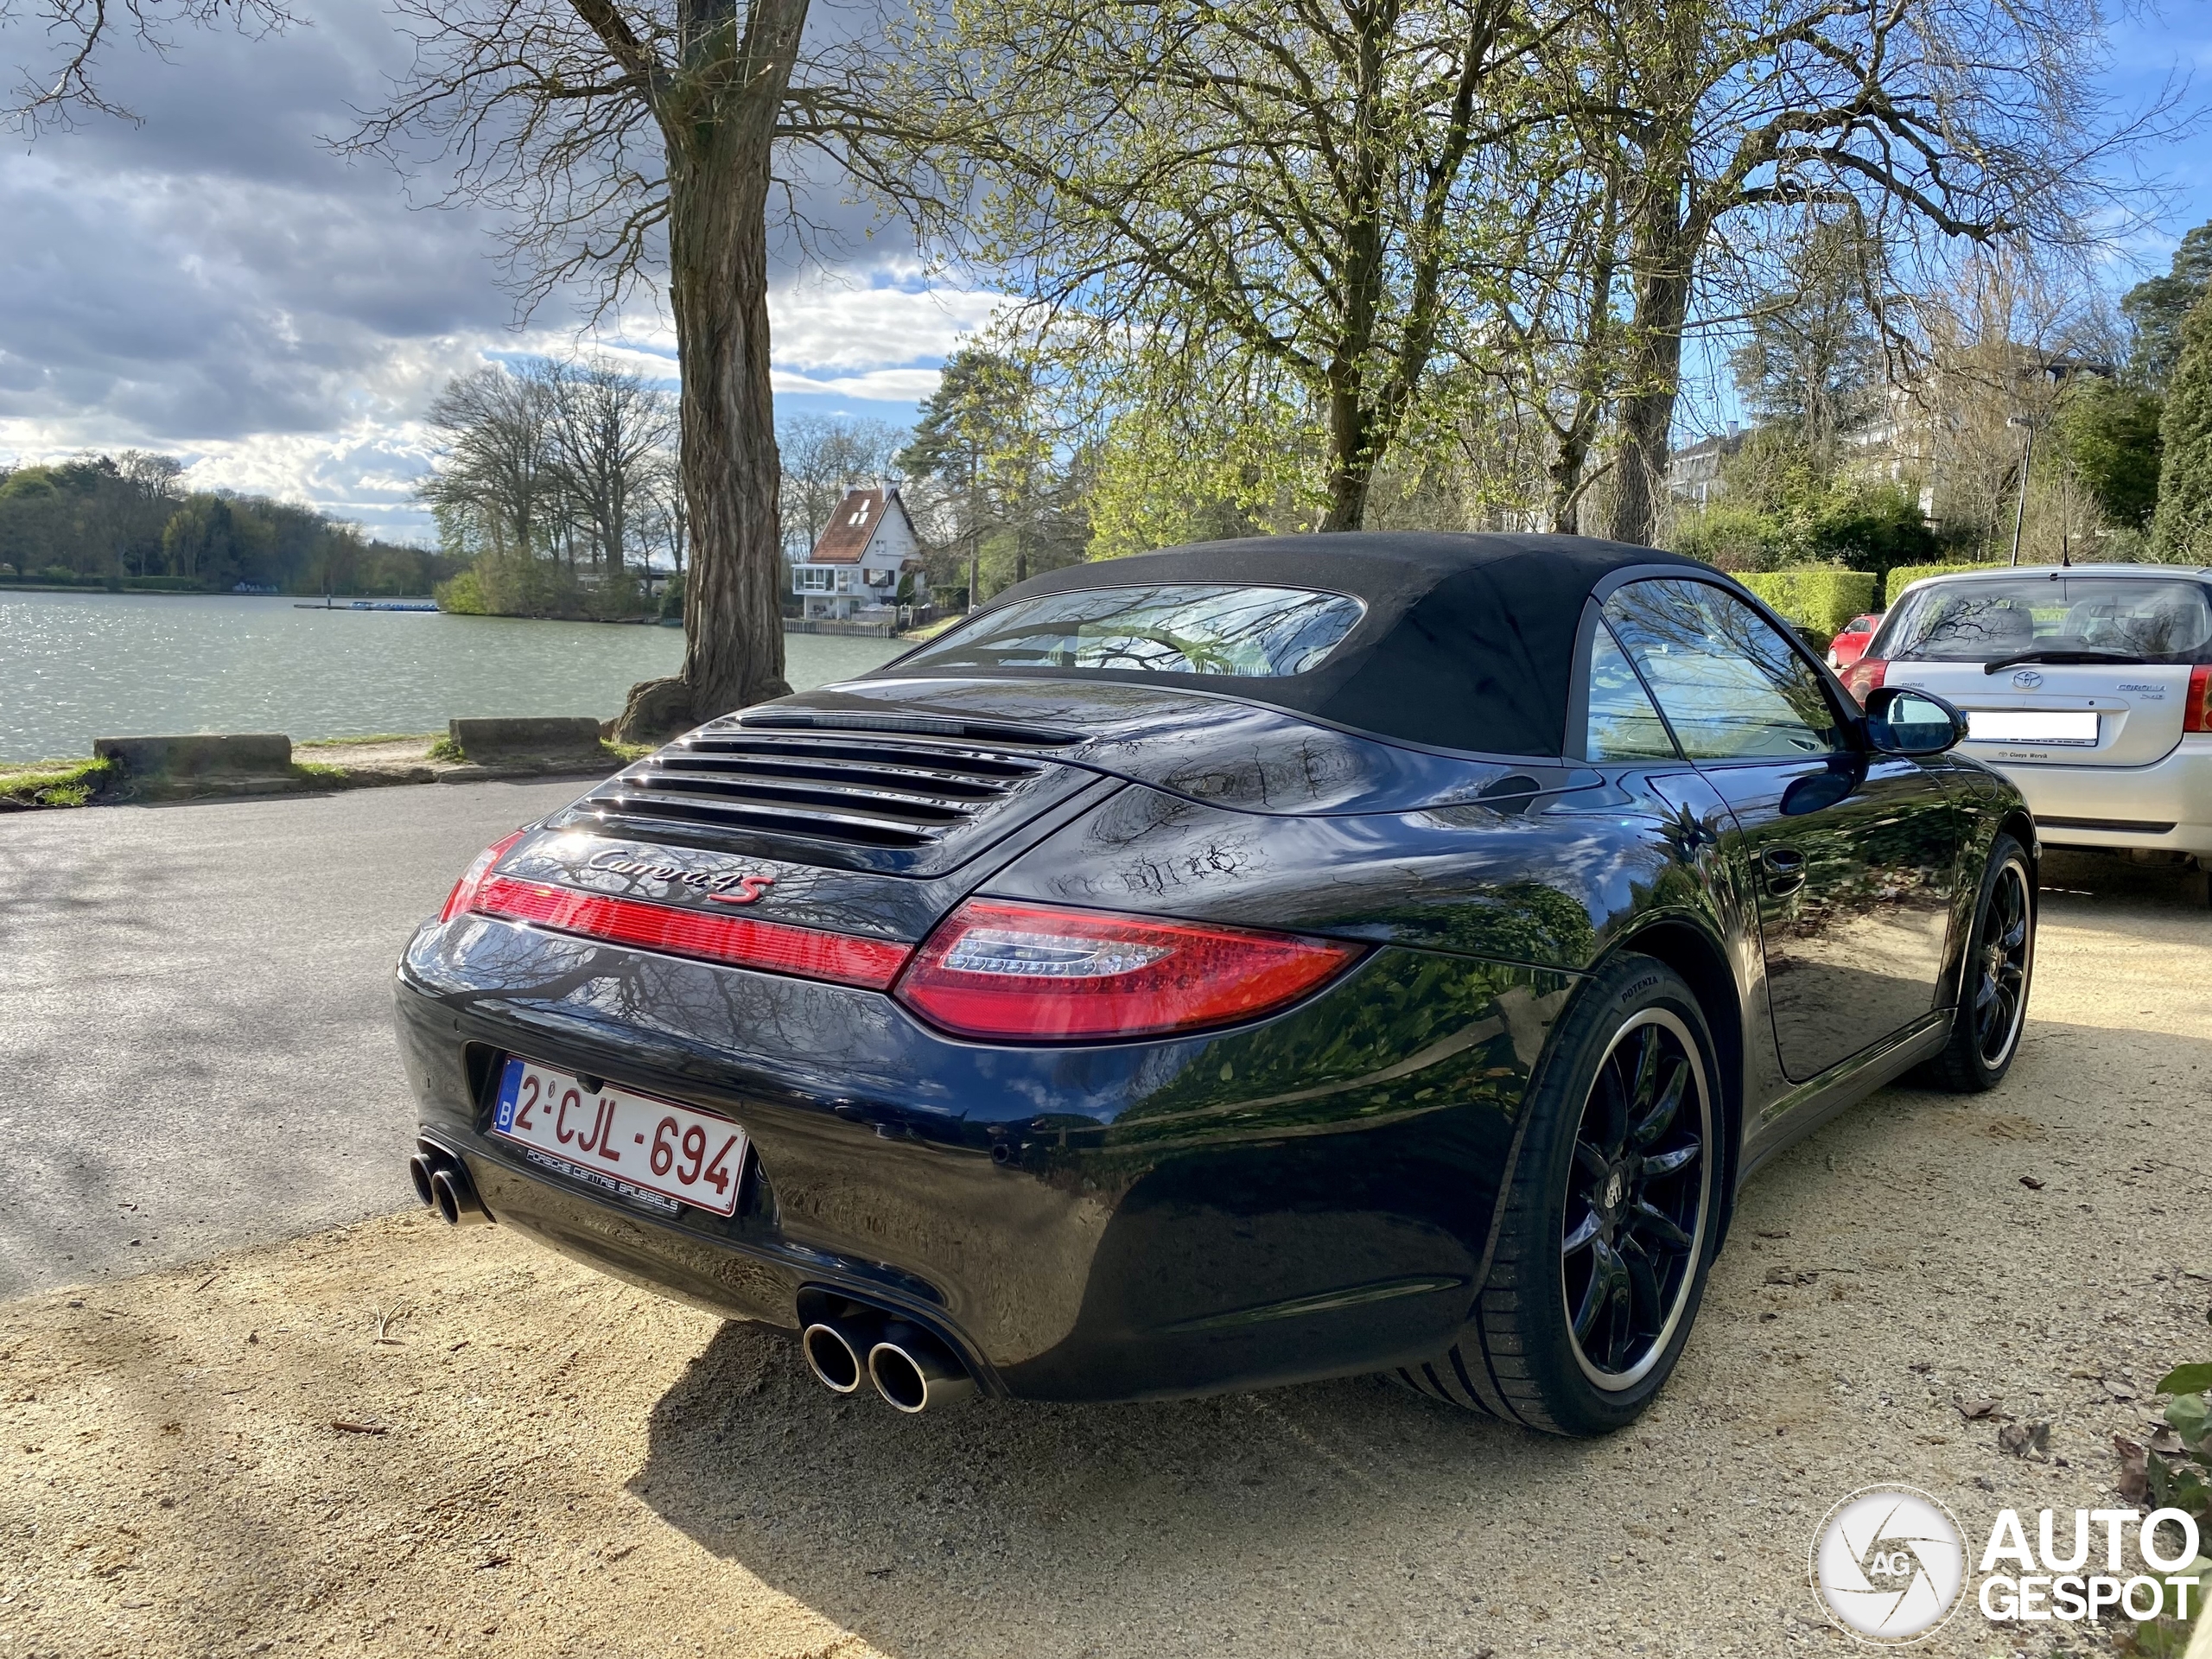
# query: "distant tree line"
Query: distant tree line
{"points": [[127, 520], [554, 483]]}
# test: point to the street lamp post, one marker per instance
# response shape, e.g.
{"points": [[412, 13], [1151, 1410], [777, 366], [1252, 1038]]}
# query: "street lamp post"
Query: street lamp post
{"points": [[2027, 455]]}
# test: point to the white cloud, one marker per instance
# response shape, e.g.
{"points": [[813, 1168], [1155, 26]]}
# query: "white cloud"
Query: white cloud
{"points": [[826, 324], [216, 284]]}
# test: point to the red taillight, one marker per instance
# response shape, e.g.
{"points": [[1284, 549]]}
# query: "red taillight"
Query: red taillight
{"points": [[2196, 713], [1866, 674], [740, 941], [1037, 972], [463, 895]]}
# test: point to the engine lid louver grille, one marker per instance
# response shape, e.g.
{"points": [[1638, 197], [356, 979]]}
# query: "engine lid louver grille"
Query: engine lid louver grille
{"points": [[869, 795]]}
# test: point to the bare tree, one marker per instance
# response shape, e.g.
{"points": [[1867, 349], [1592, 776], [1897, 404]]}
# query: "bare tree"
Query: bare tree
{"points": [[64, 88], [496, 486], [1972, 120], [622, 137], [606, 428]]}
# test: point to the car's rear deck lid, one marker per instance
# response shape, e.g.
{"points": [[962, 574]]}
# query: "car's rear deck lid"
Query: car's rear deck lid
{"points": [[905, 796]]}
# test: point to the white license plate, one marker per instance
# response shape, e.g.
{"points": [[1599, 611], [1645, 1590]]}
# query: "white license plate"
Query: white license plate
{"points": [[617, 1138], [2032, 726]]}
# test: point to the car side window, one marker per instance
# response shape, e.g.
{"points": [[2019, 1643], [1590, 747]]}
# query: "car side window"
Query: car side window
{"points": [[1731, 686], [1623, 724]]}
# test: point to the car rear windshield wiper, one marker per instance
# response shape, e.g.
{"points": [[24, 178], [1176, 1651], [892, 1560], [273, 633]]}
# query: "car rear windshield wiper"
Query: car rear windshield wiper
{"points": [[2064, 654]]}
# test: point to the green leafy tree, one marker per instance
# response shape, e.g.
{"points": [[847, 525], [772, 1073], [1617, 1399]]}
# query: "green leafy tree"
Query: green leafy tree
{"points": [[984, 472], [2181, 525], [2108, 436], [1300, 203], [2158, 307]]}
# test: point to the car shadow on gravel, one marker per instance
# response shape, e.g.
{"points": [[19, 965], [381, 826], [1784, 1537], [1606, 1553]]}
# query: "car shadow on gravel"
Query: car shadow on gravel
{"points": [[1029, 1529], [1854, 1300]]}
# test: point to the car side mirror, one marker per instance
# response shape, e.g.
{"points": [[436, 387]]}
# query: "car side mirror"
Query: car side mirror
{"points": [[1900, 720]]}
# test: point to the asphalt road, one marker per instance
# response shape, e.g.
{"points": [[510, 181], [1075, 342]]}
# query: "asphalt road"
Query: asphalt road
{"points": [[196, 1029]]}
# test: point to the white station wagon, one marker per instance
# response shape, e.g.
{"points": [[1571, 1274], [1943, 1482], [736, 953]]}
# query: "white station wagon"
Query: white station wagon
{"points": [[2090, 687]]}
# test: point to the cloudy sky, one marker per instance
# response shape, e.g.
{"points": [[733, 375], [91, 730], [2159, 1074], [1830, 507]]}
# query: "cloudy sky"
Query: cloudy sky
{"points": [[215, 282]]}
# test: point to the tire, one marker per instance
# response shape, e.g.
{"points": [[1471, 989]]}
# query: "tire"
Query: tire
{"points": [[1572, 1238], [1994, 979]]}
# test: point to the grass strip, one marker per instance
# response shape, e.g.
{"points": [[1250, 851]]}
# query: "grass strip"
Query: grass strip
{"points": [[50, 784]]}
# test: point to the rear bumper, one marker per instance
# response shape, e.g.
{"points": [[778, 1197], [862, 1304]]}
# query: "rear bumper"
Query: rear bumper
{"points": [[2165, 805], [1305, 1198]]}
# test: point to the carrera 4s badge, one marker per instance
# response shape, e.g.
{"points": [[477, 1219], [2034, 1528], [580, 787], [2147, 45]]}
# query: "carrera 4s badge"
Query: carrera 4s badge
{"points": [[734, 888]]}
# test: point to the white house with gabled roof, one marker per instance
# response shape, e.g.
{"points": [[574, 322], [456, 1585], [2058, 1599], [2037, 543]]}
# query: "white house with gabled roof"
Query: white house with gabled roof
{"points": [[856, 567]]}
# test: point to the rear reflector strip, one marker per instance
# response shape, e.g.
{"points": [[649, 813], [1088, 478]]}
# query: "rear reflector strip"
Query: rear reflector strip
{"points": [[740, 941]]}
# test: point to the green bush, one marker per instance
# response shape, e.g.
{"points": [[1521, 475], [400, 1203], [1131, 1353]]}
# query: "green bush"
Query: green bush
{"points": [[1730, 536], [463, 595], [1821, 599]]}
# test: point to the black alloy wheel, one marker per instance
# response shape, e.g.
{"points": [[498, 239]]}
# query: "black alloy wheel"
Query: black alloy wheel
{"points": [[1608, 1217], [1636, 1197], [1998, 972], [2001, 967]]}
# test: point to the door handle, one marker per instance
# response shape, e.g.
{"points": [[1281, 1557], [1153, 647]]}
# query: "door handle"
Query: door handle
{"points": [[1785, 870]]}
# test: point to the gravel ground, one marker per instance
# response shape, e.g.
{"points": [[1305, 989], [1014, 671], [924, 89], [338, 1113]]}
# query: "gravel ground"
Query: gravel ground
{"points": [[395, 1438]]}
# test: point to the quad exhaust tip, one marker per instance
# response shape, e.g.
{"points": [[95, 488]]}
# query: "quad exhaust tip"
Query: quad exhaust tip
{"points": [[912, 1369], [441, 1183], [837, 1366]]}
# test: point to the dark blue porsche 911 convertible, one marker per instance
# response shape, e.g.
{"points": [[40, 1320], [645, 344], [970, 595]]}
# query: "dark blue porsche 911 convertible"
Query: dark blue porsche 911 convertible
{"points": [[1249, 963]]}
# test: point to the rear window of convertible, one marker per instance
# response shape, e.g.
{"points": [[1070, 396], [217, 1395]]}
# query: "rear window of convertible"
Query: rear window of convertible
{"points": [[1251, 633]]}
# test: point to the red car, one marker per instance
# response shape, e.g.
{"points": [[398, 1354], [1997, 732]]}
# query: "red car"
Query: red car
{"points": [[1848, 646]]}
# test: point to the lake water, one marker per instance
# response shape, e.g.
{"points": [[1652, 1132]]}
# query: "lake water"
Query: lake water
{"points": [[77, 666]]}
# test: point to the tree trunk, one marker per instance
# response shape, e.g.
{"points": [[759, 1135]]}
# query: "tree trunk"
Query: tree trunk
{"points": [[1563, 513], [718, 127], [1665, 251], [1351, 459]]}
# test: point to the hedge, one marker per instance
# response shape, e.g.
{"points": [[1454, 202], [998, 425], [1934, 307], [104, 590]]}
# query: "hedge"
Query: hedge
{"points": [[1814, 596]]}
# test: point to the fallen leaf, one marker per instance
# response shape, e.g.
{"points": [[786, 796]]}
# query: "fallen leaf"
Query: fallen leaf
{"points": [[2118, 1390], [1790, 1276], [1970, 1409], [345, 1427], [2134, 1472], [2020, 1438], [2031, 1184]]}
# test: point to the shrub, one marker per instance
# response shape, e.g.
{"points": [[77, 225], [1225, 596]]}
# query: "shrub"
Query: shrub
{"points": [[463, 595], [1821, 599], [1732, 538], [1869, 527]]}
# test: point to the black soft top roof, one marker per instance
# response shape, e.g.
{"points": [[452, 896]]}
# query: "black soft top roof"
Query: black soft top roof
{"points": [[1468, 641]]}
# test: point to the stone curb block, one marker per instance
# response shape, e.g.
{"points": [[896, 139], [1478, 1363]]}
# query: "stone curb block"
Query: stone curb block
{"points": [[539, 738], [184, 759]]}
